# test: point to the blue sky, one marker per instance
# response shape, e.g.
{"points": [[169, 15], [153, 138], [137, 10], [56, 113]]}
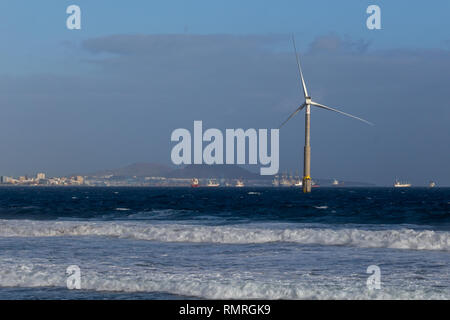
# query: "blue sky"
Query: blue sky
{"points": [[125, 80], [405, 23], [35, 34]]}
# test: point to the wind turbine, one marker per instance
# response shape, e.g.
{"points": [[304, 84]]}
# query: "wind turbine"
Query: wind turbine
{"points": [[308, 103]]}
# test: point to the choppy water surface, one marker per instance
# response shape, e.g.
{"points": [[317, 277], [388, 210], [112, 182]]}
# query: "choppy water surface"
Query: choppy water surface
{"points": [[163, 243]]}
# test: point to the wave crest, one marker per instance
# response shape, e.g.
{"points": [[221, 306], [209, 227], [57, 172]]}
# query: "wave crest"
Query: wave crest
{"points": [[205, 285], [395, 239]]}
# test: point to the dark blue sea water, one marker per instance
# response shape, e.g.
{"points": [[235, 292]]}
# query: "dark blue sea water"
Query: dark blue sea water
{"points": [[222, 243]]}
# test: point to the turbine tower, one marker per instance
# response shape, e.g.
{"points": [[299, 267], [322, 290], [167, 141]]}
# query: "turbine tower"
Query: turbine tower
{"points": [[308, 103]]}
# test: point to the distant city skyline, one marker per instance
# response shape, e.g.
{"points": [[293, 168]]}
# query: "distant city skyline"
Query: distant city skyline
{"points": [[157, 175], [152, 173], [110, 94]]}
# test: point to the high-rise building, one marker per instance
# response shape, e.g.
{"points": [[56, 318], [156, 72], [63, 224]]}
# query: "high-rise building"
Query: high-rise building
{"points": [[40, 176], [79, 179], [5, 179]]}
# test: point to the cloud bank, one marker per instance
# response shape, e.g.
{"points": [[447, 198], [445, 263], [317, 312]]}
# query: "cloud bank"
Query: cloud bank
{"points": [[141, 87]]}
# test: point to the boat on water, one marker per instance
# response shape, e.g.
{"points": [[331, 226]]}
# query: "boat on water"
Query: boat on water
{"points": [[194, 183], [212, 183], [239, 183], [276, 181], [298, 183], [335, 182], [285, 181], [432, 184], [399, 184]]}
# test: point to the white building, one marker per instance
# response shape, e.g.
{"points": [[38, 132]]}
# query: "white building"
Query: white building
{"points": [[40, 176]]}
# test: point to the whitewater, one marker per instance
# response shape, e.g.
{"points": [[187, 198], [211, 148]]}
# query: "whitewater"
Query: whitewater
{"points": [[394, 238], [251, 243]]}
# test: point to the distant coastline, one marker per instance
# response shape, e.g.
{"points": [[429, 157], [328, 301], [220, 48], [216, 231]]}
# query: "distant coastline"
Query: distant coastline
{"points": [[158, 175]]}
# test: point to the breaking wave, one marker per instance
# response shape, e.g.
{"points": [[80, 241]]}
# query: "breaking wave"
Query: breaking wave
{"points": [[243, 234], [207, 285]]}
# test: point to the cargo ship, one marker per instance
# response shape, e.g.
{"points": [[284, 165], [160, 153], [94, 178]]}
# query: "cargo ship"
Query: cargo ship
{"points": [[239, 183], [195, 183], [212, 183], [399, 184]]}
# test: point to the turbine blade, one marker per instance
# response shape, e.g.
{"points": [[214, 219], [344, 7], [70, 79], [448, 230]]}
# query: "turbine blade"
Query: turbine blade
{"points": [[293, 114], [335, 110], [305, 92]]}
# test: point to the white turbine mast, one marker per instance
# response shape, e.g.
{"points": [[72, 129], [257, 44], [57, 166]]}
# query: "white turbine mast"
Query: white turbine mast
{"points": [[308, 103]]}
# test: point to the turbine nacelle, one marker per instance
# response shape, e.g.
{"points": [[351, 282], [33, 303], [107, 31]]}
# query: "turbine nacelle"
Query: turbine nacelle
{"points": [[308, 100]]}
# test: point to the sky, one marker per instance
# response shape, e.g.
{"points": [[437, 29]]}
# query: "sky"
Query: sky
{"points": [[110, 94]]}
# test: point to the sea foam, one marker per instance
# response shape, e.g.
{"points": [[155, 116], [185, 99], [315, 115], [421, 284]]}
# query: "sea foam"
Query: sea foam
{"points": [[205, 285], [238, 234]]}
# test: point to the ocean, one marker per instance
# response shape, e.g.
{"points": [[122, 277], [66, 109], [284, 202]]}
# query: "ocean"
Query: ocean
{"points": [[224, 243]]}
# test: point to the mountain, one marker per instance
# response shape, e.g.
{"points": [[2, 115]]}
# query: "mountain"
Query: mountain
{"points": [[200, 171], [203, 171], [216, 171], [140, 169]]}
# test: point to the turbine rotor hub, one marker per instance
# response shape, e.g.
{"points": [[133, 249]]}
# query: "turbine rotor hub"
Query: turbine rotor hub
{"points": [[308, 100]]}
